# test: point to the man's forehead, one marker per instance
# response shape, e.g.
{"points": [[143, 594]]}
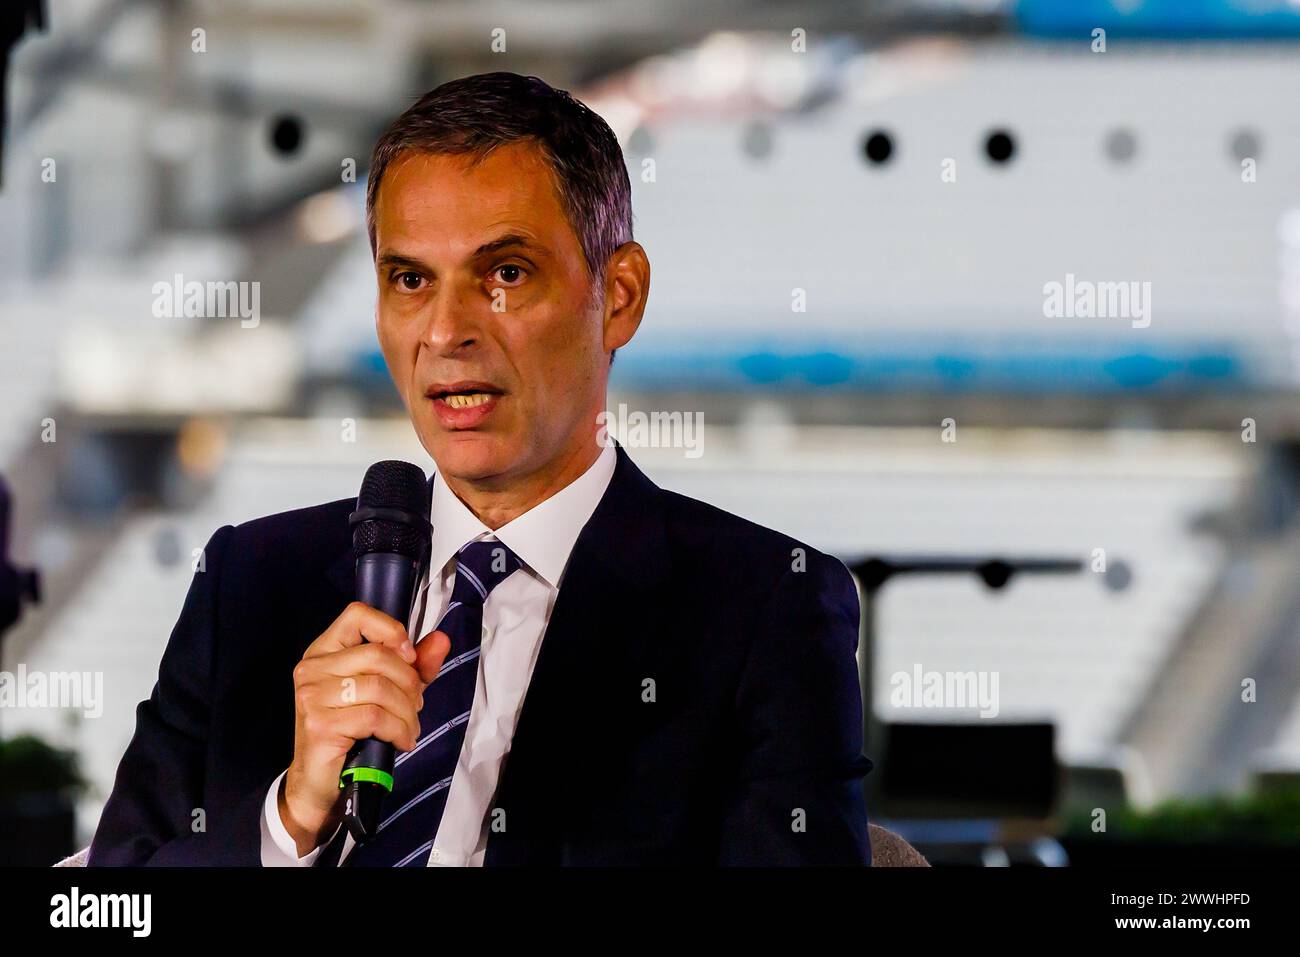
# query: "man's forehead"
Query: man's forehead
{"points": [[512, 174], [508, 191]]}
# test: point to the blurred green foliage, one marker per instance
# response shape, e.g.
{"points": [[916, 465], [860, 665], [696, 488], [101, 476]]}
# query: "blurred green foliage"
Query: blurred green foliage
{"points": [[30, 766], [1267, 817]]}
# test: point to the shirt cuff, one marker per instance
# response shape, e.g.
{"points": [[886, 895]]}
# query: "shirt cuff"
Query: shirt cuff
{"points": [[278, 848]]}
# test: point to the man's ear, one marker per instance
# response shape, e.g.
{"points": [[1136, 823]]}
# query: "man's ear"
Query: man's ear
{"points": [[627, 287]]}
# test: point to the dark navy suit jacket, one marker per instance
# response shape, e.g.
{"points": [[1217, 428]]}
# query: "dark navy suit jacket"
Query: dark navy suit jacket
{"points": [[749, 753]]}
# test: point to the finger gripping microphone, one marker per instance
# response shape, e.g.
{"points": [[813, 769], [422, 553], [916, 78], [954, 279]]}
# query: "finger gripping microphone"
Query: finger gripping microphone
{"points": [[390, 537]]}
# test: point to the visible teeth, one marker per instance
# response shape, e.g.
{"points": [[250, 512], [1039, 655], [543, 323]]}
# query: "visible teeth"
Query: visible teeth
{"points": [[467, 401]]}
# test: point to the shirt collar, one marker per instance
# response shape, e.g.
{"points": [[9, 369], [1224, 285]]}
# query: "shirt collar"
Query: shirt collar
{"points": [[543, 537]]}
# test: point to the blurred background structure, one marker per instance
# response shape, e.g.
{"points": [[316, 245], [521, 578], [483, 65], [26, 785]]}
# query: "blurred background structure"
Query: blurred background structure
{"points": [[856, 214]]}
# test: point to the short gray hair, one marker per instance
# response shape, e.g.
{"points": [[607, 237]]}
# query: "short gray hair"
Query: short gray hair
{"points": [[476, 114]]}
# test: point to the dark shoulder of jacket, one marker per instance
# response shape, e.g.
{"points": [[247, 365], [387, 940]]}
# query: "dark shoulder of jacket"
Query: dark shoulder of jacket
{"points": [[714, 541], [306, 537]]}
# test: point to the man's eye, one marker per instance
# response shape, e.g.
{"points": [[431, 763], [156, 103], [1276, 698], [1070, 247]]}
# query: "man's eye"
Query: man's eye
{"points": [[509, 273], [409, 281]]}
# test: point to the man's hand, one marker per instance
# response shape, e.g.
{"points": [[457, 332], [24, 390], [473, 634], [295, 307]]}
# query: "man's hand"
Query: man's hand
{"points": [[362, 678]]}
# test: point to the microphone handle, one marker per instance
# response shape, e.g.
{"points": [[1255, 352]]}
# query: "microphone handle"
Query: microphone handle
{"points": [[385, 581]]}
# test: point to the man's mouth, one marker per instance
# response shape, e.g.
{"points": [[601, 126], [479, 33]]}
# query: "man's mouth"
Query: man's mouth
{"points": [[465, 400], [461, 405], [465, 388]]}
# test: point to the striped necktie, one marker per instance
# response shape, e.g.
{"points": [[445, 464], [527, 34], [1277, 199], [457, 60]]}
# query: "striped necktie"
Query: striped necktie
{"points": [[422, 776]]}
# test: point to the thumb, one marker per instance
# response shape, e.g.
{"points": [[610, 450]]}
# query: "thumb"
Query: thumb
{"points": [[430, 654]]}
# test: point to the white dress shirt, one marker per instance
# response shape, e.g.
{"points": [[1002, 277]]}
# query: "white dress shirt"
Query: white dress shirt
{"points": [[514, 620]]}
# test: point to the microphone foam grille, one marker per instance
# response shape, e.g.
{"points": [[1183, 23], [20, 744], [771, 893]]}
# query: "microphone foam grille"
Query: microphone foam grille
{"points": [[394, 485]]}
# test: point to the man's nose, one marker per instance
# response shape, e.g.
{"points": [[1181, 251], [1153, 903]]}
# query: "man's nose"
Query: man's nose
{"points": [[451, 322]]}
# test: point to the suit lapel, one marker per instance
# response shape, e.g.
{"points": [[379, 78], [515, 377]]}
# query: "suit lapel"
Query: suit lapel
{"points": [[601, 623], [342, 573]]}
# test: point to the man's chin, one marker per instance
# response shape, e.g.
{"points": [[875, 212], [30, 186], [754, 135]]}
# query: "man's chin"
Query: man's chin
{"points": [[470, 456]]}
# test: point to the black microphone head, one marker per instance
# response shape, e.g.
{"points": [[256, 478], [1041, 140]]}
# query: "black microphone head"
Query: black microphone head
{"points": [[393, 487]]}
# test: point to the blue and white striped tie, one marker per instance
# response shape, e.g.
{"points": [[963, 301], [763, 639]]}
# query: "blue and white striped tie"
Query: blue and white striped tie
{"points": [[422, 776]]}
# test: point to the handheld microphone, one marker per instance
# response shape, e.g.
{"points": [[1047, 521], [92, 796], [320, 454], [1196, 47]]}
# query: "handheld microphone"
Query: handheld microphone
{"points": [[390, 537]]}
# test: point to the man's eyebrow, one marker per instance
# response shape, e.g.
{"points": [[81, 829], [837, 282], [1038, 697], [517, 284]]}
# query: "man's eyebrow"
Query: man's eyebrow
{"points": [[391, 260], [509, 239], [394, 260]]}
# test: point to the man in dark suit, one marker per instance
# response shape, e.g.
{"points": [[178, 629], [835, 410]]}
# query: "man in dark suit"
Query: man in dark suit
{"points": [[609, 673]]}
